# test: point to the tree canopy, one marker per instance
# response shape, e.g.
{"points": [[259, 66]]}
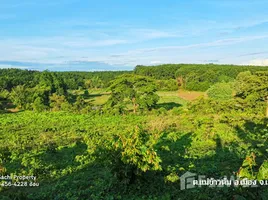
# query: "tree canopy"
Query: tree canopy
{"points": [[253, 87], [220, 91], [139, 91], [200, 77]]}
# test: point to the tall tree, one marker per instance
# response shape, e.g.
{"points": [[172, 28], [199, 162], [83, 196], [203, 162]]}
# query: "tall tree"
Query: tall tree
{"points": [[133, 89], [253, 87], [38, 104], [220, 91], [19, 96], [58, 102]]}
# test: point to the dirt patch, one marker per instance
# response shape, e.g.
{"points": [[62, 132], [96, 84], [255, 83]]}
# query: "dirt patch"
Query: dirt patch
{"points": [[12, 110], [190, 95]]}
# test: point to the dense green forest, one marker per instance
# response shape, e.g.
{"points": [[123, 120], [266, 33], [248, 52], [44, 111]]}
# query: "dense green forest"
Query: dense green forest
{"points": [[73, 80], [197, 77], [134, 134]]}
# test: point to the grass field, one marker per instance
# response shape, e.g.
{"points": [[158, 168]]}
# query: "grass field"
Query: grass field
{"points": [[62, 149], [170, 96], [168, 99], [100, 97]]}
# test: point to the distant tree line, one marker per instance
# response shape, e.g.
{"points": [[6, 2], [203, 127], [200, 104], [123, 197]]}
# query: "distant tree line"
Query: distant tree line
{"points": [[10, 78], [45, 90], [160, 72], [200, 77], [100, 79], [34, 90]]}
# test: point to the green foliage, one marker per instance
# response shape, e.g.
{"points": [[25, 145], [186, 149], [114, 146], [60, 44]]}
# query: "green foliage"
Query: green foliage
{"points": [[133, 155], [125, 162], [247, 169], [138, 91], [201, 77], [263, 171], [220, 91], [167, 85], [81, 106], [54, 82], [4, 94], [38, 105], [161, 111], [20, 96], [177, 110], [166, 71], [252, 87], [81, 152], [233, 106], [95, 83], [58, 82], [59, 102], [80, 103], [86, 80], [10, 78]]}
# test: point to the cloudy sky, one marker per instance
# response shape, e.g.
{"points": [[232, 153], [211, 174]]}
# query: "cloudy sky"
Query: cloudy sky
{"points": [[92, 35]]}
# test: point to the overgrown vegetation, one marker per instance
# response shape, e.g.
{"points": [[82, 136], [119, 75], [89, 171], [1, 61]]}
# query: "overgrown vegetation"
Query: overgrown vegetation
{"points": [[111, 135], [201, 77]]}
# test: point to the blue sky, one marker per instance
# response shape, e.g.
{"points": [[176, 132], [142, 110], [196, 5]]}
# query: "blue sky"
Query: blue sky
{"points": [[91, 35]]}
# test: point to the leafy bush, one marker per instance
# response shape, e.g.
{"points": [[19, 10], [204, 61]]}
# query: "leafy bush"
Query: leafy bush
{"points": [[220, 91], [177, 110], [38, 105], [134, 154], [200, 77], [138, 91], [167, 85]]}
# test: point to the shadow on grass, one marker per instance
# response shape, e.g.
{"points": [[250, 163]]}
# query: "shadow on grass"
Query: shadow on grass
{"points": [[95, 180], [7, 107], [77, 181], [256, 134], [10, 111], [66, 155], [168, 105]]}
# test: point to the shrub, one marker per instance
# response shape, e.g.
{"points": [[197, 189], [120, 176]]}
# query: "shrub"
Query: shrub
{"points": [[220, 91], [177, 110], [167, 85]]}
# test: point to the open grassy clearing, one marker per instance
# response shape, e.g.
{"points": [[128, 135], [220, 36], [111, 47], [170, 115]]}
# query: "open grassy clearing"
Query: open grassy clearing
{"points": [[190, 95], [100, 97], [170, 96]]}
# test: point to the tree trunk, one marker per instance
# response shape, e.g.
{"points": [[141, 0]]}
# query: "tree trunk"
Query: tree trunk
{"points": [[267, 107], [134, 105], [180, 82]]}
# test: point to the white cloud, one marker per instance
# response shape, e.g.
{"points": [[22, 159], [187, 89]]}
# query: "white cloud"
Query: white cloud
{"points": [[50, 43], [223, 42], [13, 66], [155, 62], [61, 49], [148, 34], [91, 43], [54, 49], [259, 62], [176, 54]]}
